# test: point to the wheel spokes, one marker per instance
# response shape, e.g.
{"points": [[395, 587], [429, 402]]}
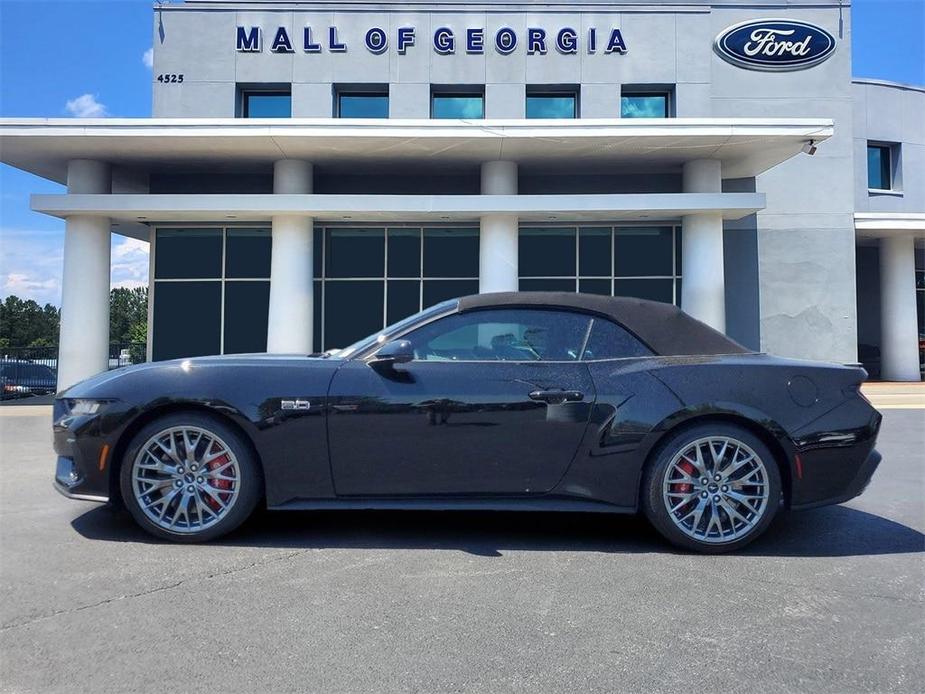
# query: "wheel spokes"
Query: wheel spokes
{"points": [[185, 479], [728, 498]]}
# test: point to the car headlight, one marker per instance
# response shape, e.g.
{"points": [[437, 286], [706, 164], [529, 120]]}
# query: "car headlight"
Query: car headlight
{"points": [[83, 406]]}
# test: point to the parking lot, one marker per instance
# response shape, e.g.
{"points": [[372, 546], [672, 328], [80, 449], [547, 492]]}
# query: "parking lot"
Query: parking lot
{"points": [[830, 600]]}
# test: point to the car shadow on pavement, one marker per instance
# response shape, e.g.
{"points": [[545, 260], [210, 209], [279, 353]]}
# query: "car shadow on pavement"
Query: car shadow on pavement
{"points": [[835, 531]]}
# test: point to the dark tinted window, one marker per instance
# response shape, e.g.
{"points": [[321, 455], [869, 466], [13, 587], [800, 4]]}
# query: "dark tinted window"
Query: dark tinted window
{"points": [[187, 319], [352, 309], [546, 285], [878, 167], [247, 253], [609, 341], [404, 253], [355, 253], [403, 299], [436, 291], [594, 252], [451, 252], [188, 253], [502, 335], [547, 252], [246, 308], [594, 286], [643, 251], [652, 289]]}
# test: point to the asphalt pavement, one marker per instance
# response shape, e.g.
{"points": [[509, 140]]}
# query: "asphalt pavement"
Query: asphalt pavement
{"points": [[830, 600]]}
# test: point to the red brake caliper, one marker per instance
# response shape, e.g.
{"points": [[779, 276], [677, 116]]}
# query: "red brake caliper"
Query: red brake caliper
{"points": [[224, 485], [684, 487]]}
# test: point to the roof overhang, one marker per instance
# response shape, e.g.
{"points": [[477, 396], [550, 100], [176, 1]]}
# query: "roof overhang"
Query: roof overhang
{"points": [[876, 225], [745, 146], [410, 208]]}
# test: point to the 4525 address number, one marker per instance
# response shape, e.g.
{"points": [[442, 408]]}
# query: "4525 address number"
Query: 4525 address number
{"points": [[170, 78]]}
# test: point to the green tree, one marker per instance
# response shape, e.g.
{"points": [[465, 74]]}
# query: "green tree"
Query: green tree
{"points": [[128, 315], [26, 324]]}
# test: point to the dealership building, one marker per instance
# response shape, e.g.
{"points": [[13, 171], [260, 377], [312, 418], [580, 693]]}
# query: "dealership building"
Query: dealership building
{"points": [[315, 170]]}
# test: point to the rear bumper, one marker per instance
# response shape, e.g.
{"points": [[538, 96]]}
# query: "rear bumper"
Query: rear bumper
{"points": [[855, 488]]}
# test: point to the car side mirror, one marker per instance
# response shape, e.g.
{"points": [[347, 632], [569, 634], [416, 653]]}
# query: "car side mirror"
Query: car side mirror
{"points": [[391, 353]]}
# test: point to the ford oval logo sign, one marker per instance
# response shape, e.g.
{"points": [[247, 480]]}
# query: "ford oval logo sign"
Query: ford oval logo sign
{"points": [[775, 45]]}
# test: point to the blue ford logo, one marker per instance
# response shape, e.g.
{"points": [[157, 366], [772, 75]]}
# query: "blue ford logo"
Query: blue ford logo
{"points": [[775, 45]]}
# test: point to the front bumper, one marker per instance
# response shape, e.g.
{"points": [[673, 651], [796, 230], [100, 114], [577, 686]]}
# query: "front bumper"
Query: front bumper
{"points": [[85, 445]]}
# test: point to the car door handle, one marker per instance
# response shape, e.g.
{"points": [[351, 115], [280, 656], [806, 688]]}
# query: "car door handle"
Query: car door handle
{"points": [[557, 396]]}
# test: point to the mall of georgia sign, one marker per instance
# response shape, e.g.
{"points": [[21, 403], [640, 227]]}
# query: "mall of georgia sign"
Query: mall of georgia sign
{"points": [[774, 45]]}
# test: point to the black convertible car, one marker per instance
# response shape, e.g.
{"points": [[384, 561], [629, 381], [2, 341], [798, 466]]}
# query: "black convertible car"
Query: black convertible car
{"points": [[519, 401]]}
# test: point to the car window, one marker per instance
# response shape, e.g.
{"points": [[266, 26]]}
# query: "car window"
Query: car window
{"points": [[502, 335], [610, 341]]}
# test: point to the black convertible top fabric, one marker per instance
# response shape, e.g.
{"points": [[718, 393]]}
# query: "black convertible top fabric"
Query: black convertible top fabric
{"points": [[663, 327]]}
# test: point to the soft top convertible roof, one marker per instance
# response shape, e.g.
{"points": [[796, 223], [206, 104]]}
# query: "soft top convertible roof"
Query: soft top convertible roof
{"points": [[663, 327]]}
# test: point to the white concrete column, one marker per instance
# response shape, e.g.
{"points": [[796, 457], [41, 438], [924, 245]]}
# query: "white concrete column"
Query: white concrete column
{"points": [[703, 285], [289, 327], [83, 343], [899, 348], [498, 233]]}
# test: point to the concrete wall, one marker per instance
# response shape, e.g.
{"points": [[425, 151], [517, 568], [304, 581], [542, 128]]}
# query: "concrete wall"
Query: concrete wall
{"points": [[890, 114], [792, 267]]}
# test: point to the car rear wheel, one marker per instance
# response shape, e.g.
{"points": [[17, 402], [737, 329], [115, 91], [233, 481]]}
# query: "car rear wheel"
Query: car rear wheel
{"points": [[189, 477], [712, 488]]}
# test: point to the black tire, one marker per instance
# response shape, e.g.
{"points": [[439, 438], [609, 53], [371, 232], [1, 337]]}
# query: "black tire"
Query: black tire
{"points": [[654, 481], [249, 492]]}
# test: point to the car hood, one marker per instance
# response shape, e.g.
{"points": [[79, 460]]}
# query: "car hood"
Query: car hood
{"points": [[158, 374]]}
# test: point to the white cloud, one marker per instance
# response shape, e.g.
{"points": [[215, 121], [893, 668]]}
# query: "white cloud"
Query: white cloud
{"points": [[86, 106], [148, 58], [129, 262], [32, 261]]}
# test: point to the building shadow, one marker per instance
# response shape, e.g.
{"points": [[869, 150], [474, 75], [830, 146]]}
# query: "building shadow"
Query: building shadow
{"points": [[836, 531]]}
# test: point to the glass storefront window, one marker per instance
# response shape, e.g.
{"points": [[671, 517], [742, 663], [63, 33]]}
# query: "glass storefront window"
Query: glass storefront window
{"points": [[363, 105], [247, 253], [197, 271], [451, 252], [187, 319], [266, 104], [879, 167], [611, 260], [546, 251], [653, 105], [188, 253], [467, 106], [643, 251], [552, 105], [404, 269]]}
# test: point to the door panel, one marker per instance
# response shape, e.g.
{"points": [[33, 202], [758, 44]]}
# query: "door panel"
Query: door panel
{"points": [[451, 427]]}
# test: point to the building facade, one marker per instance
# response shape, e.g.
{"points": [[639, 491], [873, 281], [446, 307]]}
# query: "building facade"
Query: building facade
{"points": [[315, 170]]}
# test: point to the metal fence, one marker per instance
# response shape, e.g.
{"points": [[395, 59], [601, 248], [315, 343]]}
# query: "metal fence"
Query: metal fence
{"points": [[29, 371]]}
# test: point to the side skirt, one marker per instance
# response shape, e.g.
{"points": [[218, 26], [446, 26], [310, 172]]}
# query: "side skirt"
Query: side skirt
{"points": [[452, 504]]}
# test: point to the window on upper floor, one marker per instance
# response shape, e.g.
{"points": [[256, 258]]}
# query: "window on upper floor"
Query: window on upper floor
{"points": [[466, 102], [265, 102], [882, 160], [362, 101], [646, 102], [552, 102]]}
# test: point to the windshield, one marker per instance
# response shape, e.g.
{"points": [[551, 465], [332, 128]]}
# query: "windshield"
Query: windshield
{"points": [[395, 328]]}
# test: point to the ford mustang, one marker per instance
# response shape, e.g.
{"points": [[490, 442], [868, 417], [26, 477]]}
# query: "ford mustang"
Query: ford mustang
{"points": [[509, 401]]}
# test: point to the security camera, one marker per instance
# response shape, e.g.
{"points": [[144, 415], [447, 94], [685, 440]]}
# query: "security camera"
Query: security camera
{"points": [[809, 148]]}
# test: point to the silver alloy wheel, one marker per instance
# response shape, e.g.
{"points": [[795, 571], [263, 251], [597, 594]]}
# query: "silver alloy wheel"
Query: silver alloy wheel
{"points": [[716, 489], [185, 479]]}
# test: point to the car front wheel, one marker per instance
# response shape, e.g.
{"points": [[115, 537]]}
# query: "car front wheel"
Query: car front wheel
{"points": [[712, 488], [189, 477]]}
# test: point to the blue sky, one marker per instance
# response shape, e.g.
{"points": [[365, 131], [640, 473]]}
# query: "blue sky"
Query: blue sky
{"points": [[90, 60]]}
